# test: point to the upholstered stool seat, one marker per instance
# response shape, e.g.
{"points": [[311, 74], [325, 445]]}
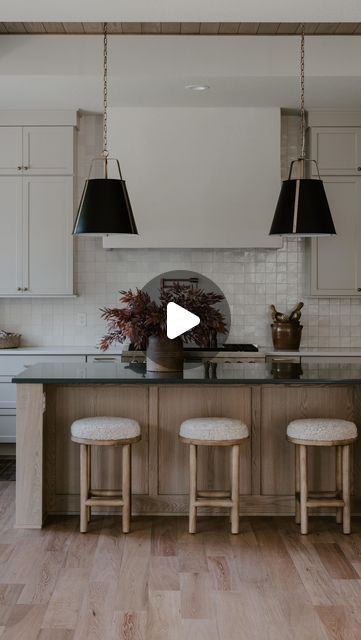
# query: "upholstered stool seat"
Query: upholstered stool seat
{"points": [[321, 429], [104, 431], [322, 432], [214, 432], [213, 429], [105, 428]]}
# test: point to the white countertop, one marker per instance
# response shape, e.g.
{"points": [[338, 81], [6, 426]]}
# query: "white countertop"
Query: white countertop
{"points": [[58, 351], [93, 350], [314, 351]]}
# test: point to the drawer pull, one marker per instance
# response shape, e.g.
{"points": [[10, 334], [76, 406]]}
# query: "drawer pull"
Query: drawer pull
{"points": [[105, 359]]}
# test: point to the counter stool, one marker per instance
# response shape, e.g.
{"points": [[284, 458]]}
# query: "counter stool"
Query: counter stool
{"points": [[213, 432], [104, 432], [317, 432]]}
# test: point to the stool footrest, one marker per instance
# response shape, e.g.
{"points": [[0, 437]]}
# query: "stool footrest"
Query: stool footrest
{"points": [[213, 494], [103, 502], [323, 494], [109, 493], [324, 502], [213, 502]]}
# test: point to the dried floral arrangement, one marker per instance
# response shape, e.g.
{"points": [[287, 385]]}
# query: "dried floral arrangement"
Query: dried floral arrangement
{"points": [[142, 317]]}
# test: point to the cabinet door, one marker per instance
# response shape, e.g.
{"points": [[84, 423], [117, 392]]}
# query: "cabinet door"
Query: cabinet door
{"points": [[11, 153], [335, 261], [337, 150], [48, 150], [47, 239], [10, 235], [7, 425]]}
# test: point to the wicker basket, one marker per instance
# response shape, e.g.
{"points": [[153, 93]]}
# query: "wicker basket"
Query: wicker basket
{"points": [[10, 340]]}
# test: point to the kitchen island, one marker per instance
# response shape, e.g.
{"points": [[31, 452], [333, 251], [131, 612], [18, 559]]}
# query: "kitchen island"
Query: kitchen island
{"points": [[265, 396]]}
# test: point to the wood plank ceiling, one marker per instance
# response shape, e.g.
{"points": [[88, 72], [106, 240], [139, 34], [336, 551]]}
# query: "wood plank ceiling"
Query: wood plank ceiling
{"points": [[182, 28]]}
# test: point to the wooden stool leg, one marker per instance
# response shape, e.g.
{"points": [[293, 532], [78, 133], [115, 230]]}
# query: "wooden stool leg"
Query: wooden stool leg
{"points": [[83, 488], [346, 488], [297, 485], [192, 487], [89, 474], [339, 482], [303, 488], [126, 486], [235, 489]]}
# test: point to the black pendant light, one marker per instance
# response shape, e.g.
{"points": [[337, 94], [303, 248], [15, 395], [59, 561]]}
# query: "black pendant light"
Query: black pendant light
{"points": [[302, 208], [105, 207]]}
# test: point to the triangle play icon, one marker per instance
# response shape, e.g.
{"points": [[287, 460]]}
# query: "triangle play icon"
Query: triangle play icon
{"points": [[179, 320]]}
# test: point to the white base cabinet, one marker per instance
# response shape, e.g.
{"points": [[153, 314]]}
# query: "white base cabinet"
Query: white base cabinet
{"points": [[10, 366]]}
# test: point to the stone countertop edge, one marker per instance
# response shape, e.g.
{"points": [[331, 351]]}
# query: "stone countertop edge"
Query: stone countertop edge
{"points": [[236, 374]]}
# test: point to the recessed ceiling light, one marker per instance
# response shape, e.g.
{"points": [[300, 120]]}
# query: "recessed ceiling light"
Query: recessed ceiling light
{"points": [[197, 87]]}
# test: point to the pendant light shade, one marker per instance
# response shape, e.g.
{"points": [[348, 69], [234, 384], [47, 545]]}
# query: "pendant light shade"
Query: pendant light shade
{"points": [[302, 209], [105, 207]]}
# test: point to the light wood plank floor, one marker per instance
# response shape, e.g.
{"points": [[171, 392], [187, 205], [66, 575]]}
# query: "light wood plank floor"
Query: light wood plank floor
{"points": [[159, 583]]}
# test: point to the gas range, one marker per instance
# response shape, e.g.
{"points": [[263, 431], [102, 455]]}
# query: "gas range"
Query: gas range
{"points": [[230, 352], [227, 347]]}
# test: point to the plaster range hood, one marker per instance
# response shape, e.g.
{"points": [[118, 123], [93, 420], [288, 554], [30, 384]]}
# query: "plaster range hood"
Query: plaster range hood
{"points": [[198, 177]]}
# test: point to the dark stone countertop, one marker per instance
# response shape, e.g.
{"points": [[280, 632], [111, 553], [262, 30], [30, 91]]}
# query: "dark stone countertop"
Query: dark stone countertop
{"points": [[193, 373]]}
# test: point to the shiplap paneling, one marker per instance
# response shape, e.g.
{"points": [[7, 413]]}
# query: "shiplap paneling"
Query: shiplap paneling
{"points": [[183, 28]]}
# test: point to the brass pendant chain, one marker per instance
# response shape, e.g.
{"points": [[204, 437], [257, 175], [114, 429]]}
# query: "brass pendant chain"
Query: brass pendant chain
{"points": [[302, 82], [105, 92]]}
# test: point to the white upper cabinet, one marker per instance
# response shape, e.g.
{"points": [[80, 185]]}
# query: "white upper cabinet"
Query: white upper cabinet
{"points": [[36, 205], [10, 235], [338, 150], [198, 177], [36, 150], [48, 150], [336, 261], [11, 150], [47, 239]]}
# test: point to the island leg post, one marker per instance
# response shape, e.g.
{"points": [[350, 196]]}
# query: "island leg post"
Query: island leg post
{"points": [[29, 456]]}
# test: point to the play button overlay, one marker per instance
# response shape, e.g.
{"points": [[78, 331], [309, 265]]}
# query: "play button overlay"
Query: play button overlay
{"points": [[179, 320]]}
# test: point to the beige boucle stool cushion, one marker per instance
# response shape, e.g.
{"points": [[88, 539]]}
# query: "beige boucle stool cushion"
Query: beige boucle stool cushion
{"points": [[213, 429], [322, 429], [105, 428]]}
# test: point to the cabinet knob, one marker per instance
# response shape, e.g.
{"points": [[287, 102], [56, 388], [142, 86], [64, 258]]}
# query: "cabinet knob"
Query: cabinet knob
{"points": [[358, 288], [19, 289], [358, 168], [19, 168], [26, 168], [25, 289]]}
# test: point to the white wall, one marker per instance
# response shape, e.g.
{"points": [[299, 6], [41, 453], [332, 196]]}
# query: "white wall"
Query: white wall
{"points": [[251, 279]]}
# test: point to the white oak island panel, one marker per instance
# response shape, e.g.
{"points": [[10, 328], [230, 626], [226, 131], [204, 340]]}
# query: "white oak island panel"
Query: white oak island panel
{"points": [[160, 461]]}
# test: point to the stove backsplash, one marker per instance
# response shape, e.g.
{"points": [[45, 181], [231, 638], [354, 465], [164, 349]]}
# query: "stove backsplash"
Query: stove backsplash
{"points": [[250, 279]]}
